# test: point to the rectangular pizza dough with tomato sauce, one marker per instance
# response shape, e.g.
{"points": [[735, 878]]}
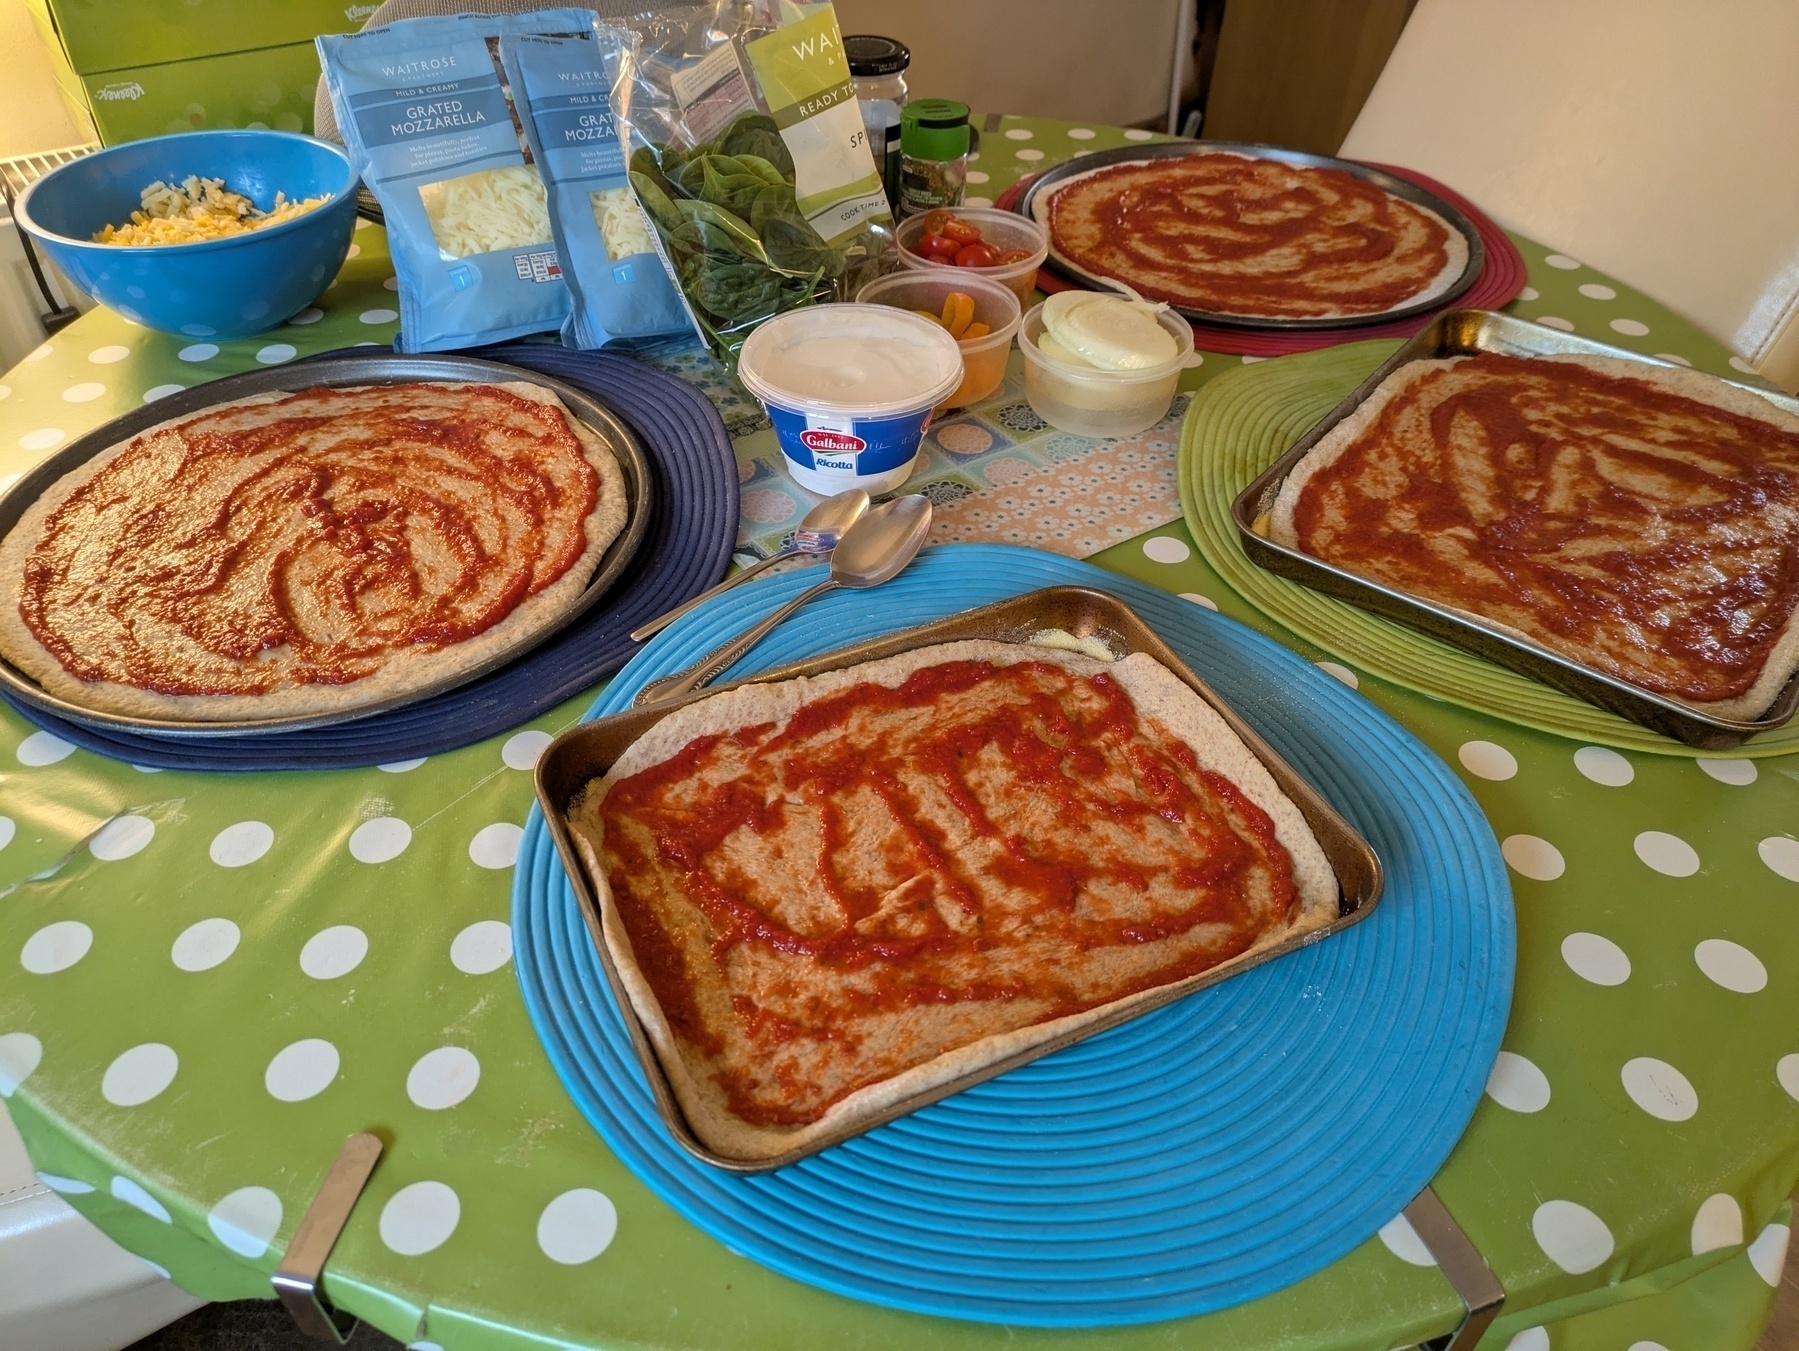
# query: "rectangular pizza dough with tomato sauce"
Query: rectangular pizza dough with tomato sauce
{"points": [[828, 895], [1640, 519]]}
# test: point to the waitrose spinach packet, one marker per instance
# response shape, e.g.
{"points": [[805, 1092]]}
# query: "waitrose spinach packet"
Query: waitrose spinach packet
{"points": [[562, 87], [427, 117], [750, 158]]}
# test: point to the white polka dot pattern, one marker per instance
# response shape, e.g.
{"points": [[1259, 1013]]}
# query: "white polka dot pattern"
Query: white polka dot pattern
{"points": [[43, 748], [56, 947], [484, 946], [522, 749], [20, 1054], [204, 945], [124, 1189], [496, 846], [1595, 958], [334, 952], [1667, 854], [140, 1074], [1517, 1084], [1781, 854], [240, 845], [1736, 773], [1659, 1089], [1718, 1223], [246, 1220], [301, 1071], [1487, 760], [380, 840], [1768, 1254], [122, 837], [442, 1078], [1403, 1242], [1533, 857], [1571, 1236], [1731, 965], [420, 1218], [1604, 766], [577, 1226]]}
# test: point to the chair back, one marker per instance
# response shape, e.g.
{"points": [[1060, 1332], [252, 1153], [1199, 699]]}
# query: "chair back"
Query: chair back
{"points": [[1650, 141]]}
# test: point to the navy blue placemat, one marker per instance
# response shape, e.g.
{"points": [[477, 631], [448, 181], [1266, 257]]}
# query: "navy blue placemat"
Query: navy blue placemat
{"points": [[693, 527]]}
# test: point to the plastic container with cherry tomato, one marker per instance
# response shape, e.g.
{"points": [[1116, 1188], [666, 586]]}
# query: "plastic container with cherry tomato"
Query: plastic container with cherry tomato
{"points": [[981, 315], [990, 243]]}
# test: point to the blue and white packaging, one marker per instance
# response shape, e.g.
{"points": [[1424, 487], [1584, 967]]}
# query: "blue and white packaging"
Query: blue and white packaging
{"points": [[850, 390], [562, 87], [427, 118]]}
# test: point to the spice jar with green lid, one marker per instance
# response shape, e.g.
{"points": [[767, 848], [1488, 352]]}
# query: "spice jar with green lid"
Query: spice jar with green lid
{"points": [[933, 154]]}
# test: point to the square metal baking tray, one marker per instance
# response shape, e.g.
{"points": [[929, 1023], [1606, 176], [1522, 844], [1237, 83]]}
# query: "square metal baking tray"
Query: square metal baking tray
{"points": [[586, 752], [1462, 333]]}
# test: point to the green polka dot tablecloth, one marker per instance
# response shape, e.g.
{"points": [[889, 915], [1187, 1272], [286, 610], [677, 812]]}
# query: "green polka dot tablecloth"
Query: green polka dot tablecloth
{"points": [[206, 982]]}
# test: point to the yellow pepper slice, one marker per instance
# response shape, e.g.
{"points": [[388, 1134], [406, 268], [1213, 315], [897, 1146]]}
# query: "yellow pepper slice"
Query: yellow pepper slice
{"points": [[958, 312]]}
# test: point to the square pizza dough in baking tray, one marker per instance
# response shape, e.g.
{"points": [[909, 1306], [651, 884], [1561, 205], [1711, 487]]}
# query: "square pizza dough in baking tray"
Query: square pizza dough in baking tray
{"points": [[586, 752], [1464, 333]]}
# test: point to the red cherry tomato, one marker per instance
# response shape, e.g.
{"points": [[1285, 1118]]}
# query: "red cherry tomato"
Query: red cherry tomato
{"points": [[977, 255], [1014, 255], [962, 231], [936, 246], [934, 221]]}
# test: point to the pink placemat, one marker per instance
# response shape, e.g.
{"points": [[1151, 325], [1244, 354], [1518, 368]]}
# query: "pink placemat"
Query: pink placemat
{"points": [[1499, 282]]}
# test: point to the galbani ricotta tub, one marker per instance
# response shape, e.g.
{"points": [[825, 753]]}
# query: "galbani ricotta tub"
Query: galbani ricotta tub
{"points": [[850, 390]]}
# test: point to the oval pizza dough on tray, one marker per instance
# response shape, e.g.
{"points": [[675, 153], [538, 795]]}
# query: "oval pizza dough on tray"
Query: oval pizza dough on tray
{"points": [[398, 671], [1162, 702]]}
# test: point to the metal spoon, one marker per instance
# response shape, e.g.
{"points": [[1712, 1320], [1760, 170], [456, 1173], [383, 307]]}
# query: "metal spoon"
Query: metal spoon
{"points": [[818, 533], [872, 551]]}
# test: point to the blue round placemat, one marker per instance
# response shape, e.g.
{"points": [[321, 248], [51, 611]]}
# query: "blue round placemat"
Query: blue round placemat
{"points": [[693, 527], [1201, 1156]]}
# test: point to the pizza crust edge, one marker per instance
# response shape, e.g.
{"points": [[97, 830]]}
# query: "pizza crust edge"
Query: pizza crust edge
{"points": [[19, 645], [1157, 692]]}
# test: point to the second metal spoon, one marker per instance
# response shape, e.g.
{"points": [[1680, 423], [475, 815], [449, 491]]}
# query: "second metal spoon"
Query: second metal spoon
{"points": [[818, 533], [872, 551]]}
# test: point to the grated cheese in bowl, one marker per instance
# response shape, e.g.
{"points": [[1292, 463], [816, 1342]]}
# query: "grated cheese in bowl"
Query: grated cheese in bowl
{"points": [[199, 209]]}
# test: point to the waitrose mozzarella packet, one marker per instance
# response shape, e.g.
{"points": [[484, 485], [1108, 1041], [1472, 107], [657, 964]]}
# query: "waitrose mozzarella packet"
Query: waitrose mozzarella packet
{"points": [[428, 120], [561, 87]]}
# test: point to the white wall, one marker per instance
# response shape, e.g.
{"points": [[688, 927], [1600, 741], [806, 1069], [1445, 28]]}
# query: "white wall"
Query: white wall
{"points": [[32, 115], [1085, 60]]}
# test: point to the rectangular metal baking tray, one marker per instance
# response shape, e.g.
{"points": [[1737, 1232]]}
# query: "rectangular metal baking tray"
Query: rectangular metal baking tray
{"points": [[1463, 332], [1401, 188], [586, 752], [335, 371]]}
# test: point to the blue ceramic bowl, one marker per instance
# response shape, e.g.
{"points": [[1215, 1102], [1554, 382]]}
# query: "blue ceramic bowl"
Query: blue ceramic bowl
{"points": [[223, 288]]}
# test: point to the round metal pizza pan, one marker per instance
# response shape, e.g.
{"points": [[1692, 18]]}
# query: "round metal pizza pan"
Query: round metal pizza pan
{"points": [[1397, 187], [337, 372]]}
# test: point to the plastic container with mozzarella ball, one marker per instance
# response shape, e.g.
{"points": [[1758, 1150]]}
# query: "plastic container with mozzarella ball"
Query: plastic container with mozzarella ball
{"points": [[850, 390], [1093, 402]]}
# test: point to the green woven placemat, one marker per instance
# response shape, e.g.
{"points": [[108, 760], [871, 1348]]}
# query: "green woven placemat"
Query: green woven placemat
{"points": [[1241, 423]]}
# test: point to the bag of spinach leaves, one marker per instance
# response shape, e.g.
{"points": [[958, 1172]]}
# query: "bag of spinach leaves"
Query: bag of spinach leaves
{"points": [[760, 184]]}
